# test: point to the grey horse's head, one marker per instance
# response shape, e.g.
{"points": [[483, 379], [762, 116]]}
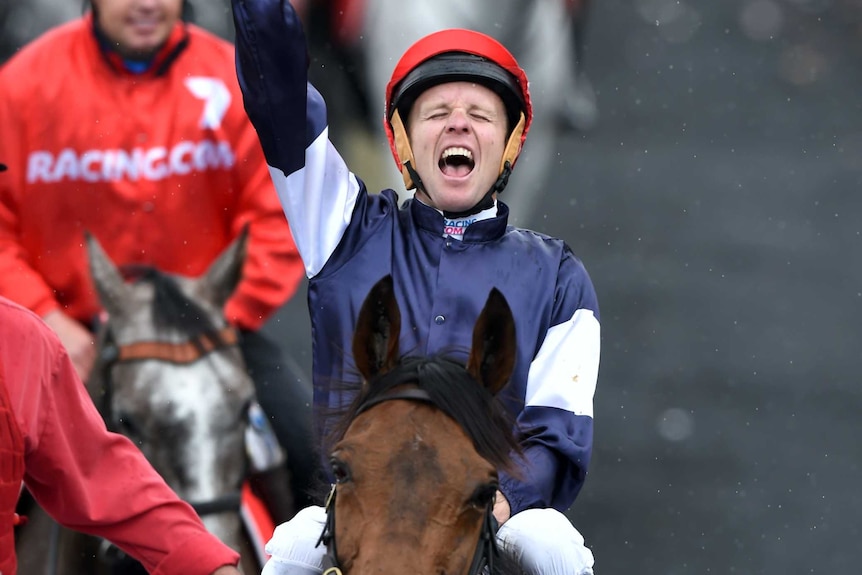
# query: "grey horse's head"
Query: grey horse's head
{"points": [[174, 381]]}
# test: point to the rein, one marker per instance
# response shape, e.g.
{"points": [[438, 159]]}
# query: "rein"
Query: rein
{"points": [[486, 548]]}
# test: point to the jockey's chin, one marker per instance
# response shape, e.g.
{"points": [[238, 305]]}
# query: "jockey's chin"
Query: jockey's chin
{"points": [[455, 194]]}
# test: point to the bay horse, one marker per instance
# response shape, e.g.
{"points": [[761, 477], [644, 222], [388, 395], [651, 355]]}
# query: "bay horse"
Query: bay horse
{"points": [[416, 454], [170, 376]]}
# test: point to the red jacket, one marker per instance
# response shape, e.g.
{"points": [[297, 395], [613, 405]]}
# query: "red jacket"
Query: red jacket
{"points": [[164, 168], [87, 478]]}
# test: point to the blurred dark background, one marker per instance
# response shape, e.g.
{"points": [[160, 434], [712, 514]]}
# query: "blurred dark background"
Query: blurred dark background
{"points": [[717, 206], [716, 202]]}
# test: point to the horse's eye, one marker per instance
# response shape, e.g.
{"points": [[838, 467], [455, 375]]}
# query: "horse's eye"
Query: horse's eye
{"points": [[340, 470], [484, 495]]}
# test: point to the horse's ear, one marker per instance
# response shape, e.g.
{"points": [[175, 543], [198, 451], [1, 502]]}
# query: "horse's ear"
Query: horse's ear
{"points": [[492, 357], [110, 286], [224, 273], [375, 342]]}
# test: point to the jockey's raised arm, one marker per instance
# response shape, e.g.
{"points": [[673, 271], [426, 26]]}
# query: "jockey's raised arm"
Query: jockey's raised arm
{"points": [[316, 189]]}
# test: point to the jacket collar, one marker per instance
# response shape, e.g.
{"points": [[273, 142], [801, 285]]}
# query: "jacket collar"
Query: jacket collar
{"points": [[429, 219], [177, 41]]}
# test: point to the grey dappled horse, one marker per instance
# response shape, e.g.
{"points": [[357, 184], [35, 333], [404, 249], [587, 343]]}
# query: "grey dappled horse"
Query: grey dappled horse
{"points": [[171, 377]]}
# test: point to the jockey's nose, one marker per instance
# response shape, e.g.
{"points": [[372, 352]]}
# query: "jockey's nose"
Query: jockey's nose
{"points": [[458, 121]]}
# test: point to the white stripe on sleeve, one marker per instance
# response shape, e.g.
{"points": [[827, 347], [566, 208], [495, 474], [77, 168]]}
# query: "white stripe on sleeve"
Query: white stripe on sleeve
{"points": [[318, 201], [564, 373]]}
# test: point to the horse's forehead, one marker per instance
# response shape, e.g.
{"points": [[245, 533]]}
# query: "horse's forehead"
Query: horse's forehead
{"points": [[196, 386], [136, 320], [403, 434], [137, 323]]}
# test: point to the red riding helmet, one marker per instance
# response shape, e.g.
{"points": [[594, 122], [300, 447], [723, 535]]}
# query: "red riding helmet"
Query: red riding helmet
{"points": [[451, 56]]}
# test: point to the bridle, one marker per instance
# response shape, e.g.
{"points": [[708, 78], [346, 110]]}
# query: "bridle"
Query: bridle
{"points": [[486, 552], [180, 353], [183, 352]]}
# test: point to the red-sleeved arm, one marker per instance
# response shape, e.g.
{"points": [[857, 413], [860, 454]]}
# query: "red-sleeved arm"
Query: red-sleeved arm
{"points": [[273, 268], [18, 280], [87, 478]]}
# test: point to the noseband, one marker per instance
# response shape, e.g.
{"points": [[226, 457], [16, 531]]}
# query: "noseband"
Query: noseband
{"points": [[486, 548]]}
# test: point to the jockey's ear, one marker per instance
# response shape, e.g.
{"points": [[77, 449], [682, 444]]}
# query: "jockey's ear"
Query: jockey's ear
{"points": [[375, 342], [492, 357]]}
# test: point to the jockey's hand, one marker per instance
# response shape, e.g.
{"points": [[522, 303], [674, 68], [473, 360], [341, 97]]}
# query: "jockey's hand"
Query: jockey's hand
{"points": [[502, 510], [77, 340], [226, 570]]}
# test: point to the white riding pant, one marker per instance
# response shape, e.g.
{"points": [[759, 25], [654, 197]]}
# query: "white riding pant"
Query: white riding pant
{"points": [[544, 540]]}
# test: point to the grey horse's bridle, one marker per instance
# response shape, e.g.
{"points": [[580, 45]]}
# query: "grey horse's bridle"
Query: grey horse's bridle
{"points": [[486, 552]]}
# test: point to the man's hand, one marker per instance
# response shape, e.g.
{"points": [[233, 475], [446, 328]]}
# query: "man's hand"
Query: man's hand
{"points": [[226, 570], [502, 510], [77, 340]]}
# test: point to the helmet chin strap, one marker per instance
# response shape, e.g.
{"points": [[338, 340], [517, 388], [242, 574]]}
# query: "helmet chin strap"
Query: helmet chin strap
{"points": [[487, 200]]}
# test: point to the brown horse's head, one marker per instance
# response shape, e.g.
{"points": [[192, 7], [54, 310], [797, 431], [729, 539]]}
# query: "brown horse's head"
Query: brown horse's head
{"points": [[416, 464]]}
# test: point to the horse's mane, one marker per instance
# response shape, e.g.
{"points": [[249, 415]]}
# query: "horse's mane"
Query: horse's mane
{"points": [[451, 388], [172, 309]]}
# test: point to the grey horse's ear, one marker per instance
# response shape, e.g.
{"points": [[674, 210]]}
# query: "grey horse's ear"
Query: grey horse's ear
{"points": [[224, 273], [375, 341], [109, 283], [492, 356]]}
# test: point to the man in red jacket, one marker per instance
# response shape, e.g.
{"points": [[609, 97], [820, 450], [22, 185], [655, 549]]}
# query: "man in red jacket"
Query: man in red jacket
{"points": [[53, 439], [128, 123]]}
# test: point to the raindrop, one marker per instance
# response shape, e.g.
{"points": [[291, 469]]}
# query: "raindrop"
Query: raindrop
{"points": [[761, 20], [675, 424]]}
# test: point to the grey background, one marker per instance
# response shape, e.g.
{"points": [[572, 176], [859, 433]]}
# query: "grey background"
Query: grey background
{"points": [[716, 205]]}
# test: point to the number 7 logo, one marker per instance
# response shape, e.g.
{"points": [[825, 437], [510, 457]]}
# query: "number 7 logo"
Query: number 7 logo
{"points": [[216, 99]]}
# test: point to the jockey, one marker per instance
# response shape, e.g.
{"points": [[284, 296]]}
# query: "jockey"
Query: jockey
{"points": [[457, 114], [128, 123], [54, 440]]}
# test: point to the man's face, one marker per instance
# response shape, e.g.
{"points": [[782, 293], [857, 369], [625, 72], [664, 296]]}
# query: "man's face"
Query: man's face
{"points": [[137, 28], [457, 132]]}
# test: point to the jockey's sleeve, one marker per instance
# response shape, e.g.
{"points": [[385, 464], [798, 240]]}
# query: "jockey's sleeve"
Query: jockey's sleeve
{"points": [[316, 189], [557, 420]]}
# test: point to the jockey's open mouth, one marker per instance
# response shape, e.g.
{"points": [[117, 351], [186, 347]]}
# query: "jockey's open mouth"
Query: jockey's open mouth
{"points": [[456, 162]]}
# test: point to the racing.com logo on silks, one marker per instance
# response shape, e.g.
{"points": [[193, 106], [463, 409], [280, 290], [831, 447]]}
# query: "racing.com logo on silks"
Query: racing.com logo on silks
{"points": [[456, 228]]}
